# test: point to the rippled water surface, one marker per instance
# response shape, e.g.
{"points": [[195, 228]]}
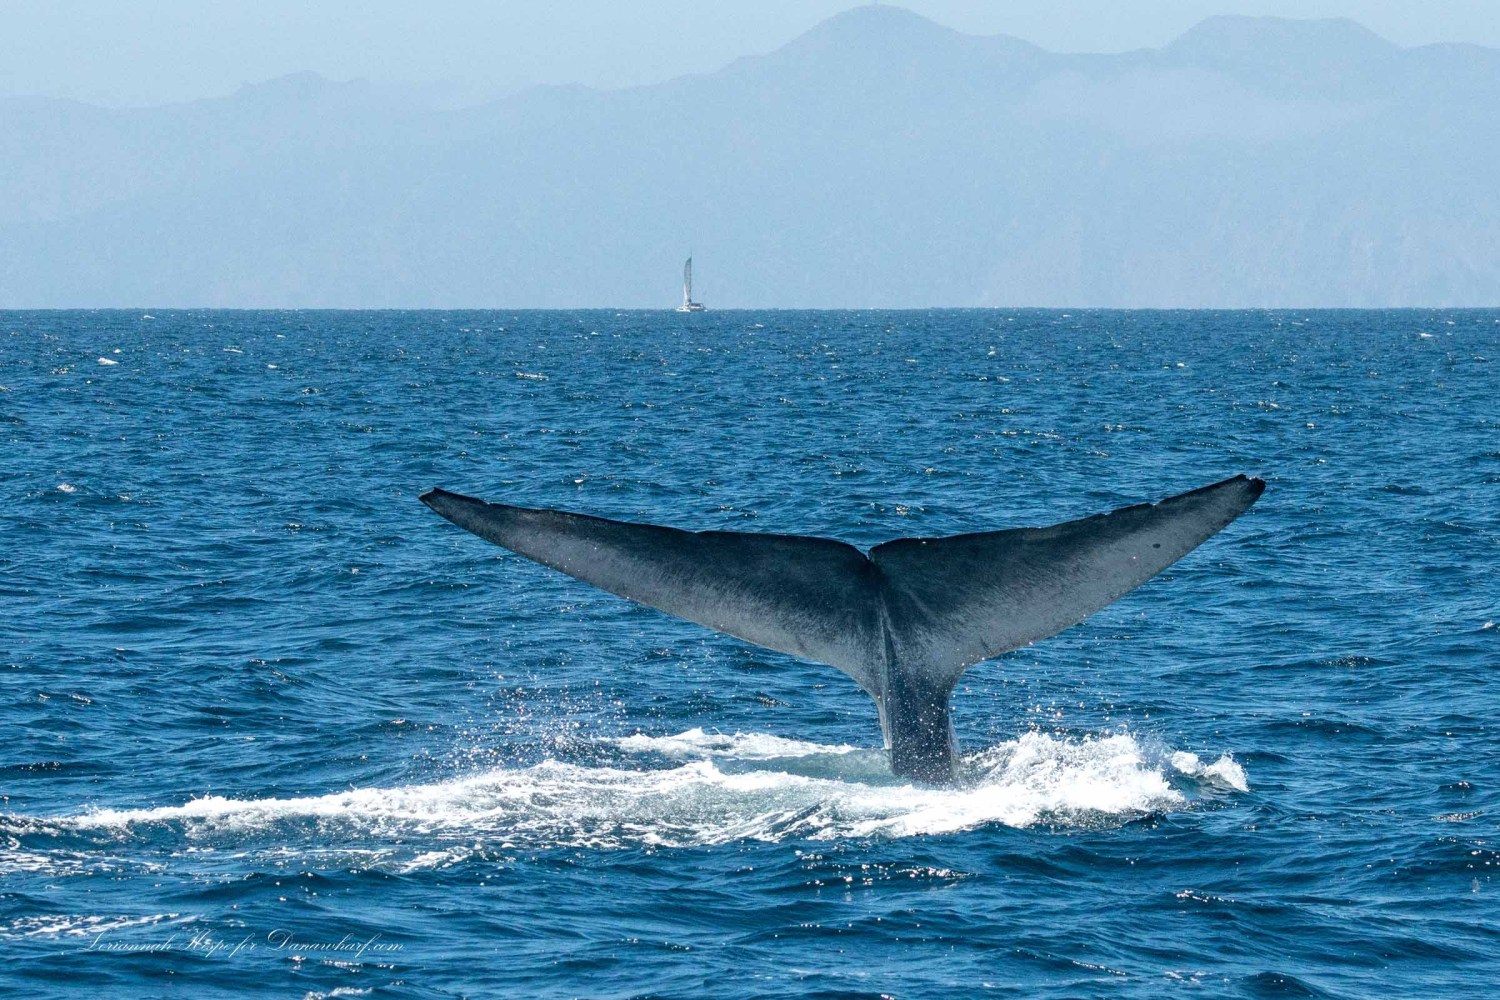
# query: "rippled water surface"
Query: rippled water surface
{"points": [[271, 727]]}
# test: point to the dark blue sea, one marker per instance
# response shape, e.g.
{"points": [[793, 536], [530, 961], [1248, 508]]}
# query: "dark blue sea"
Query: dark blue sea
{"points": [[269, 727]]}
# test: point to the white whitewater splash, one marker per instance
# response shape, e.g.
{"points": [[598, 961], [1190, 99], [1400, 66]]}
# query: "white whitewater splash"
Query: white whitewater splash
{"points": [[716, 789], [1224, 770], [745, 746]]}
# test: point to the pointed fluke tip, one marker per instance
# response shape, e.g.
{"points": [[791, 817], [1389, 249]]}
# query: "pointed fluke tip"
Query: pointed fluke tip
{"points": [[1233, 496], [1254, 486], [447, 503], [1247, 489]]}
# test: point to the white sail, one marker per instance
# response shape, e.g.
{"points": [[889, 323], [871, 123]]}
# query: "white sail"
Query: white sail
{"points": [[688, 305]]}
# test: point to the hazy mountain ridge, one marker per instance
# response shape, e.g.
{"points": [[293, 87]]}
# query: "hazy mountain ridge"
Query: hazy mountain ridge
{"points": [[878, 160]]}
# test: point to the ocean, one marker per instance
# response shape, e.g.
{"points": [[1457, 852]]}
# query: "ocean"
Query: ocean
{"points": [[272, 728]]}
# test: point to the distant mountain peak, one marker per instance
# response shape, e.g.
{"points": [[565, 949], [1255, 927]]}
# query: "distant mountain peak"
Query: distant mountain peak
{"points": [[873, 25], [878, 14], [303, 85], [1238, 37], [884, 35]]}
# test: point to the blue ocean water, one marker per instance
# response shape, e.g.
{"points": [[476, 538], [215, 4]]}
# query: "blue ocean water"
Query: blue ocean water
{"points": [[273, 728]]}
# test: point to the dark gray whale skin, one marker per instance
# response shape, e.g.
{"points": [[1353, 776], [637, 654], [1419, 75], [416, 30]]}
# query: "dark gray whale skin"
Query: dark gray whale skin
{"points": [[904, 621]]}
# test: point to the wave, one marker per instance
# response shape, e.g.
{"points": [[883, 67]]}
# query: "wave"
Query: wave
{"points": [[686, 790]]}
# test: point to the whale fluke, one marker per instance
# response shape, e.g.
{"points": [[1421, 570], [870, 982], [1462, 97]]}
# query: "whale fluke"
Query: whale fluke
{"points": [[905, 621], [809, 597]]}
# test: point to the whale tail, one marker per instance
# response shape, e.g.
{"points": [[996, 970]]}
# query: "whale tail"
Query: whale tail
{"points": [[904, 621]]}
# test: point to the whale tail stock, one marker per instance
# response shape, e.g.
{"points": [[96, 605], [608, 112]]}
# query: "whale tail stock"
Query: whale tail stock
{"points": [[904, 621]]}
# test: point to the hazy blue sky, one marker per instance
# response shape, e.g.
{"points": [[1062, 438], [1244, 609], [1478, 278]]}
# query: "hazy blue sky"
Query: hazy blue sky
{"points": [[152, 51]]}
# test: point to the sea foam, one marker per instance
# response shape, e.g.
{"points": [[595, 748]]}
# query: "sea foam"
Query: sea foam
{"points": [[694, 789]]}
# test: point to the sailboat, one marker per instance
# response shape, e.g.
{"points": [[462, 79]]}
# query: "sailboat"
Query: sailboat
{"points": [[688, 305]]}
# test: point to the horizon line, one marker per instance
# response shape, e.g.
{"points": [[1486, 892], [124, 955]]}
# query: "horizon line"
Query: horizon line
{"points": [[755, 309]]}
